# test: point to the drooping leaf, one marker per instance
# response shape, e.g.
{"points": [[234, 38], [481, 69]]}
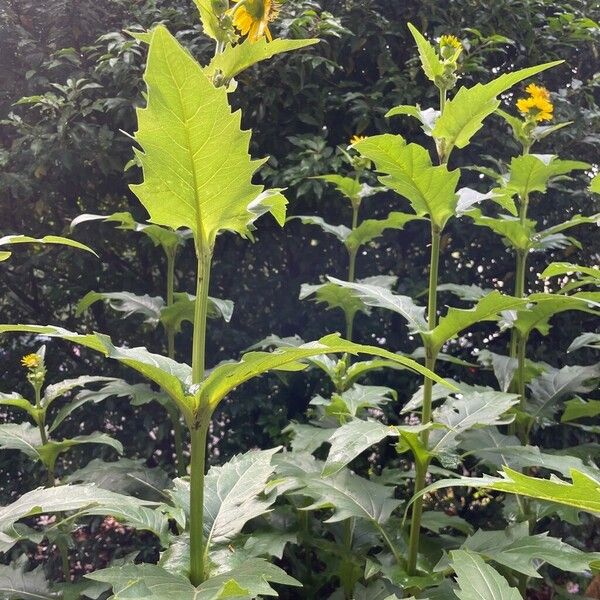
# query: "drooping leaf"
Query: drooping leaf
{"points": [[408, 170], [47, 239], [464, 114], [382, 297], [50, 451], [518, 234], [563, 268], [469, 293], [458, 415], [235, 59], [23, 437], [355, 399], [17, 401], [226, 377], [182, 309], [551, 387], [341, 232], [56, 390], [479, 581], [197, 170], [126, 302]]}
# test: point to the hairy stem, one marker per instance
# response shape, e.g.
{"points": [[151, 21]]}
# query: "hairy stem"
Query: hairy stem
{"points": [[430, 360], [199, 428]]}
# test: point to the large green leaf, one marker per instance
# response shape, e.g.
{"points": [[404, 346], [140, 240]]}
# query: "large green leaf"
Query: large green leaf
{"points": [[459, 319], [235, 59], [479, 581], [595, 184], [355, 400], [18, 584], [518, 234], [126, 302], [458, 415], [563, 268], [464, 114], [23, 437], [197, 170], [235, 493], [353, 438], [583, 493], [56, 390], [551, 387], [371, 229], [349, 496], [532, 172], [580, 409], [350, 187], [407, 169], [516, 549], [226, 377], [15, 400], [182, 310], [47, 239], [150, 582]]}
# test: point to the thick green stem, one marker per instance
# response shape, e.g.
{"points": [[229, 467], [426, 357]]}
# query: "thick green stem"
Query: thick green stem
{"points": [[197, 542], [352, 267], [430, 360], [199, 428]]}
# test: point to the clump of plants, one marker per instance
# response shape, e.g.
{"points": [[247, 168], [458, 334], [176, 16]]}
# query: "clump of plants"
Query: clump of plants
{"points": [[320, 515]]}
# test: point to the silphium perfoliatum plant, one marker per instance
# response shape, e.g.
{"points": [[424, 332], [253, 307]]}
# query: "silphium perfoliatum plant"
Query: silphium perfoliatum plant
{"points": [[197, 175], [461, 421]]}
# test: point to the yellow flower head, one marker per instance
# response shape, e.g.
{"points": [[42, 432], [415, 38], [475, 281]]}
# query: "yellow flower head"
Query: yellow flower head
{"points": [[31, 361], [357, 138], [253, 18], [537, 106], [452, 41]]}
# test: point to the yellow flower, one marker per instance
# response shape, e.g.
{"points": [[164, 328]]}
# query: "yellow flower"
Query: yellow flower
{"points": [[452, 41], [31, 361], [357, 138], [537, 106], [253, 18], [537, 91]]}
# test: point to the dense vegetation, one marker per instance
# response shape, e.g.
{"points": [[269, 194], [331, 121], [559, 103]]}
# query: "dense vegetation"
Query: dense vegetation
{"points": [[387, 484]]}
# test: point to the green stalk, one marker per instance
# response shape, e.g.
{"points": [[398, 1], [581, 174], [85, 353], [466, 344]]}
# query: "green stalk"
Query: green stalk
{"points": [[199, 428], [421, 467], [174, 415], [352, 266]]}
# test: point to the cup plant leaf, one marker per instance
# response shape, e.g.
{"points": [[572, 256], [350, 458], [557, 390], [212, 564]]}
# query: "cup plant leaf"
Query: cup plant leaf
{"points": [[191, 143], [47, 239], [408, 170], [18, 584], [478, 580], [237, 58]]}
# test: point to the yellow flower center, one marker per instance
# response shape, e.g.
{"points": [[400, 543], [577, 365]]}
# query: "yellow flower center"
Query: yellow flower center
{"points": [[452, 41], [253, 17], [357, 138], [31, 361]]}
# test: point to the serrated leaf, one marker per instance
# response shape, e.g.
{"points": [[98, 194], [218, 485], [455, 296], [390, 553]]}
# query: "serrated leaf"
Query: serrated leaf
{"points": [[349, 496], [23, 437], [458, 415], [518, 234], [235, 59], [197, 170], [210, 21], [182, 310], [464, 114], [563, 268], [555, 384], [479, 581], [382, 297], [307, 438], [459, 319], [18, 584], [47, 239], [407, 169], [469, 293], [430, 61], [56, 390], [126, 302], [355, 399]]}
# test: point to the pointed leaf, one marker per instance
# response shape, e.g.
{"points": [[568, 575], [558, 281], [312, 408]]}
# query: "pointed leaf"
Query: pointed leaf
{"points": [[18, 584], [23, 437], [197, 170], [126, 302], [56, 390], [341, 232], [371, 229], [47, 239], [430, 61]]}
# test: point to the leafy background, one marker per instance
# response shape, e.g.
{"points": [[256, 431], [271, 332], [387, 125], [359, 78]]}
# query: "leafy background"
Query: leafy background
{"points": [[63, 152]]}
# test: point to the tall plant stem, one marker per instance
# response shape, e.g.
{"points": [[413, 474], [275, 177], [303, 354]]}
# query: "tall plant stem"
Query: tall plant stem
{"points": [[174, 414], [421, 466], [352, 267], [199, 427]]}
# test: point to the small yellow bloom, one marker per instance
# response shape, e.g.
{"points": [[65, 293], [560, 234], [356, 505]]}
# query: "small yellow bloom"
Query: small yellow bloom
{"points": [[452, 41], [31, 361], [537, 105], [537, 91], [253, 18], [357, 138]]}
